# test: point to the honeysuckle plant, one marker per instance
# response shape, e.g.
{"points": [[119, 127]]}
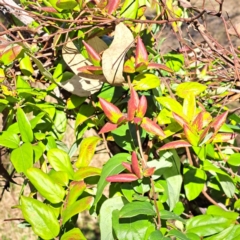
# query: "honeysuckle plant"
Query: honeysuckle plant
{"points": [[171, 170]]}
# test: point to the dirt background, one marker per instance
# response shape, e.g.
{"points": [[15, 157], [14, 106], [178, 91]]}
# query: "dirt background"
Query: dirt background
{"points": [[9, 230]]}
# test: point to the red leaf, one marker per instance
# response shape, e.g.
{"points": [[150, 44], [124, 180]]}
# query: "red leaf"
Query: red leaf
{"points": [[137, 120], [219, 121], [175, 144], [159, 66], [89, 69], [198, 121], [152, 127], [181, 121], [141, 53], [128, 166], [148, 172], [132, 104], [108, 127], [122, 177], [135, 165], [142, 107], [112, 6], [112, 112], [93, 55]]}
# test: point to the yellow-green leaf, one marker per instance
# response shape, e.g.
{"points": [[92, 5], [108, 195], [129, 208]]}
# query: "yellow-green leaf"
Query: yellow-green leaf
{"points": [[186, 88], [87, 149], [145, 81], [189, 107]]}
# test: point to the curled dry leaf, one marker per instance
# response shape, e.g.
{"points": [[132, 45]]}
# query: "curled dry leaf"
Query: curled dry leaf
{"points": [[81, 84], [113, 58]]}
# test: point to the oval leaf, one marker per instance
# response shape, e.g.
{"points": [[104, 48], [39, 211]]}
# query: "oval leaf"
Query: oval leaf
{"points": [[145, 81], [195, 88], [41, 217], [136, 208], [60, 161], [45, 185]]}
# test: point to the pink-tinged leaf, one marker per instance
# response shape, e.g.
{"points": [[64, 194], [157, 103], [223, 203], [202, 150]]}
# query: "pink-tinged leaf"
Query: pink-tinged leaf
{"points": [[90, 69], [191, 137], [77, 207], [224, 137], [181, 121], [149, 172], [122, 177], [93, 55], [48, 9], [159, 66], [219, 121], [10, 55], [112, 112], [108, 127], [198, 122], [175, 144], [141, 67], [141, 53], [112, 6], [75, 190], [135, 165], [122, 119], [152, 127], [128, 166], [137, 120], [142, 107], [132, 104]]}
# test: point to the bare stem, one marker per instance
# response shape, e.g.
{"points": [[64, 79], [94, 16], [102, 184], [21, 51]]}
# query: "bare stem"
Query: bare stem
{"points": [[144, 163], [156, 206]]}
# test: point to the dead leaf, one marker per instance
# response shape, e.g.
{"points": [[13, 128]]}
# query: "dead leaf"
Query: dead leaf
{"points": [[82, 84], [234, 30], [113, 58]]}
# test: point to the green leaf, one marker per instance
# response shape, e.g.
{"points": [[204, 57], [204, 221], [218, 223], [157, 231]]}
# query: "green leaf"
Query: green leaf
{"points": [[10, 55], [60, 121], [157, 235], [86, 151], [174, 61], [205, 225], [227, 184], [60, 161], [112, 167], [135, 208], [174, 179], [231, 233], [125, 136], [179, 235], [195, 88], [45, 185], [218, 211], [26, 66], [166, 215], [129, 9], [77, 207], [24, 126], [194, 180], [234, 159], [106, 210], [9, 140], [145, 81], [41, 217], [23, 85], [61, 178], [66, 4], [73, 234], [75, 101], [22, 157], [139, 227]]}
